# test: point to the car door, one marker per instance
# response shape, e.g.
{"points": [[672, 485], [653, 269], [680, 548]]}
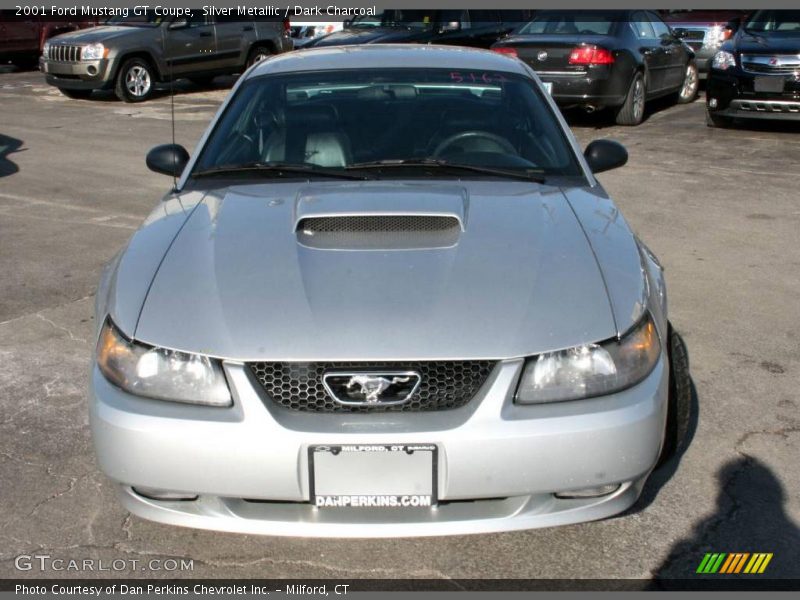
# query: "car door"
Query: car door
{"points": [[190, 45], [234, 37], [651, 50], [675, 54]]}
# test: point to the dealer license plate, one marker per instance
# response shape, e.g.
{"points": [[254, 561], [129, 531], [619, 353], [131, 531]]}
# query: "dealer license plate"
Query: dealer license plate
{"points": [[769, 84], [373, 475]]}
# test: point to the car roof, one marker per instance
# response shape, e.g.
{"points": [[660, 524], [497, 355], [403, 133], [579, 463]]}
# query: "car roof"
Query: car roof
{"points": [[388, 56]]}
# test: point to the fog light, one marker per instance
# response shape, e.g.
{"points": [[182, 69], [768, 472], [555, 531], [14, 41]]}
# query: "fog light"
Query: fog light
{"points": [[156, 494], [91, 69], [592, 492], [712, 102]]}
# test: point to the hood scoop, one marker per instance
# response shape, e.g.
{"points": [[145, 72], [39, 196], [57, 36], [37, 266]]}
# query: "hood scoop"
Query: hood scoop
{"points": [[380, 218], [379, 232]]}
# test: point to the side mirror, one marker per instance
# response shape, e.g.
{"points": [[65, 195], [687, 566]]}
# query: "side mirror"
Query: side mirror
{"points": [[604, 155], [167, 159], [179, 24]]}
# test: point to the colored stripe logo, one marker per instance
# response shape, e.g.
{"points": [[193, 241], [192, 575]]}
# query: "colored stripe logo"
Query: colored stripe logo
{"points": [[734, 563]]}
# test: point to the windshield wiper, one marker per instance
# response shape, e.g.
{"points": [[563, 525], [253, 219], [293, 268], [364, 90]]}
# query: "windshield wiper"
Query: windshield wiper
{"points": [[443, 164], [278, 169]]}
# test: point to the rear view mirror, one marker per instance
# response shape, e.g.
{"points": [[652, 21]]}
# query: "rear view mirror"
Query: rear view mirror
{"points": [[604, 155], [167, 159]]}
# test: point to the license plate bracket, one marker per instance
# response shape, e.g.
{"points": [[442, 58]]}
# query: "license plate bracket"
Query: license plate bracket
{"points": [[769, 84], [373, 475]]}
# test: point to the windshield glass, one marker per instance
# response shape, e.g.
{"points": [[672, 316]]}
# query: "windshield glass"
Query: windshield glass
{"points": [[343, 119], [775, 21], [572, 22], [150, 19]]}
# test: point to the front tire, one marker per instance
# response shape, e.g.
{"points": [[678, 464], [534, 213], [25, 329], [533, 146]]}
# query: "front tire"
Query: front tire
{"points": [[691, 84], [76, 94], [632, 110], [719, 121], [679, 403], [135, 81], [257, 54]]}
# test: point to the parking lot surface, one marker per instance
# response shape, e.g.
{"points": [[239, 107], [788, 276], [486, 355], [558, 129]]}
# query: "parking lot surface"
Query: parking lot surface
{"points": [[719, 207]]}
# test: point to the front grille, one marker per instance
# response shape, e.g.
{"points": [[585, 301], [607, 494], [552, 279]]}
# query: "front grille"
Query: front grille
{"points": [[771, 65], [444, 385], [64, 53]]}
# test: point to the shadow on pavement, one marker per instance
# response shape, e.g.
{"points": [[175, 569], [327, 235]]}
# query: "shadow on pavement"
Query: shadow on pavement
{"points": [[8, 145], [749, 517]]}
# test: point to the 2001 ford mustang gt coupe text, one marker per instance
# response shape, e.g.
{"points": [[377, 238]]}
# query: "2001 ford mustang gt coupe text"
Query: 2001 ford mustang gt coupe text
{"points": [[387, 297]]}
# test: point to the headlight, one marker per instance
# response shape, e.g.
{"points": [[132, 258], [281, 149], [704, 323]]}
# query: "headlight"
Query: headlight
{"points": [[591, 369], [46, 49], [723, 60], [160, 373], [94, 52]]}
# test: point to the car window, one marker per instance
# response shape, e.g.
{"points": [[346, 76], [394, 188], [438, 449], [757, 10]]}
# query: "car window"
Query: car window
{"points": [[338, 119], [787, 21], [570, 22], [642, 26], [662, 31]]}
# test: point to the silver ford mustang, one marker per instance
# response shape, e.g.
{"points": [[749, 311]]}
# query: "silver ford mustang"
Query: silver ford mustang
{"points": [[387, 297]]}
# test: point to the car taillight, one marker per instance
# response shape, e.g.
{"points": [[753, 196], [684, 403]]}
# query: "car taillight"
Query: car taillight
{"points": [[590, 55], [287, 27], [505, 50], [726, 34]]}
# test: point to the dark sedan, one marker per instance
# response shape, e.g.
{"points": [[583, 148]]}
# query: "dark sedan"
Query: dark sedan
{"points": [[454, 27], [756, 74], [606, 59]]}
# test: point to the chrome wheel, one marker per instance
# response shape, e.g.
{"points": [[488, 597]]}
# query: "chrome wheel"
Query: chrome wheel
{"points": [[690, 83], [638, 98], [137, 81]]}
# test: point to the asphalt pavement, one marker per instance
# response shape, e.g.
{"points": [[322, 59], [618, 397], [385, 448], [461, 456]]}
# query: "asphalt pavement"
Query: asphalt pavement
{"points": [[720, 208]]}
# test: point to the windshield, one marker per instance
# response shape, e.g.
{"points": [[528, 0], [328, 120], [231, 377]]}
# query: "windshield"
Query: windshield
{"points": [[347, 119], [150, 19], [572, 22], [775, 21]]}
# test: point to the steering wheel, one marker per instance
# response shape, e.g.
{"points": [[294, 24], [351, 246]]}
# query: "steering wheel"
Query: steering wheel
{"points": [[469, 137]]}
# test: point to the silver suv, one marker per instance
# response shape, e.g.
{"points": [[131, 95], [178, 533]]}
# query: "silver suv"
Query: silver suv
{"points": [[131, 54]]}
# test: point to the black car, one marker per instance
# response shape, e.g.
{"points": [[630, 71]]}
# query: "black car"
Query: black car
{"points": [[606, 59], [756, 74], [458, 27]]}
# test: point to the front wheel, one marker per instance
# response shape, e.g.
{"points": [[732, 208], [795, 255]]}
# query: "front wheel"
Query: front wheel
{"points": [[713, 120], [258, 54], [135, 81], [679, 403], [691, 84], [632, 110]]}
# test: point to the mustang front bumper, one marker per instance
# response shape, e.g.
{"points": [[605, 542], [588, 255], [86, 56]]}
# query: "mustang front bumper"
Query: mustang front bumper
{"points": [[499, 464]]}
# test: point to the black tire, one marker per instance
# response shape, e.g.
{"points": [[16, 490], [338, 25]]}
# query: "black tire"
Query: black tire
{"points": [[257, 54], [691, 84], [76, 94], [679, 404], [713, 120], [136, 81], [632, 110]]}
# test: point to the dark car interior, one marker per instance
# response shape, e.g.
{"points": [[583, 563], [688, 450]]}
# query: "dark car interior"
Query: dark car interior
{"points": [[502, 123]]}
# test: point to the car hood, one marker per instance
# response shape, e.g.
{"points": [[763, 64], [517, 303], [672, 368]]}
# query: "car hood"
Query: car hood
{"points": [[104, 33], [783, 43], [372, 35], [245, 280]]}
